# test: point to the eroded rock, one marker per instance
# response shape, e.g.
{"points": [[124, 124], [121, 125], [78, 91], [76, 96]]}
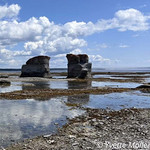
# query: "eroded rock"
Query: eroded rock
{"points": [[78, 66], [5, 83], [36, 67]]}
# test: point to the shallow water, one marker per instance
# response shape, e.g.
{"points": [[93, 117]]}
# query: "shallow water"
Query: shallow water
{"points": [[113, 101], [13, 87], [22, 119], [118, 101], [115, 84], [64, 85]]}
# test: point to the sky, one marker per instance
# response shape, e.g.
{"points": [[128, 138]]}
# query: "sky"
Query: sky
{"points": [[114, 33]]}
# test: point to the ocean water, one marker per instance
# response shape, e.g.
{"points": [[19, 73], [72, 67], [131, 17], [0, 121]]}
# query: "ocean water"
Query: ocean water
{"points": [[58, 70]]}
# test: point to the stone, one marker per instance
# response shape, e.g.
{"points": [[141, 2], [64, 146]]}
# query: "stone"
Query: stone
{"points": [[5, 83], [83, 58], [36, 67], [78, 66], [143, 86], [4, 76], [73, 59]]}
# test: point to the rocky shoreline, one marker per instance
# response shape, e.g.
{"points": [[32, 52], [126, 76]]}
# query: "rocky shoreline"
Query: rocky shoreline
{"points": [[97, 129]]}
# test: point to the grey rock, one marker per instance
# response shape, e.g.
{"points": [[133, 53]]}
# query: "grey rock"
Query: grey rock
{"points": [[4, 76], [78, 66], [143, 86], [5, 83], [36, 67]]}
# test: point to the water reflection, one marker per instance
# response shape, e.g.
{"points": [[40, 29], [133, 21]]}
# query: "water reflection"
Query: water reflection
{"points": [[82, 98], [56, 85], [35, 85], [64, 84], [118, 101], [79, 99], [79, 84], [29, 118], [115, 84], [13, 87]]}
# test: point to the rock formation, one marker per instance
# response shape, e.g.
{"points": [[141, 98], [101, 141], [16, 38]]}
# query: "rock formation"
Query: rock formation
{"points": [[78, 66], [36, 67], [5, 83]]}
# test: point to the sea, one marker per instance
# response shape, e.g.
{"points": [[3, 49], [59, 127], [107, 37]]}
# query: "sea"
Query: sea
{"points": [[59, 70]]}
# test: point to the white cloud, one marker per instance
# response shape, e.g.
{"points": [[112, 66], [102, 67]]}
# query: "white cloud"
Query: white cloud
{"points": [[13, 32], [76, 51], [123, 46], [98, 58], [42, 37], [132, 19], [9, 11]]}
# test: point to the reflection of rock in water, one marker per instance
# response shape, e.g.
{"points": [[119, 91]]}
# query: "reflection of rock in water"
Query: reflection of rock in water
{"points": [[79, 99], [35, 85], [79, 84]]}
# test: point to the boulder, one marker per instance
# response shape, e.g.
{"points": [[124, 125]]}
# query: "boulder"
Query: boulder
{"points": [[73, 59], [5, 83], [78, 66], [83, 58], [143, 86], [36, 67]]}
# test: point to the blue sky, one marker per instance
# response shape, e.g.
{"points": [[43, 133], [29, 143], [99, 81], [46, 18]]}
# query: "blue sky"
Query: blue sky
{"points": [[114, 33]]}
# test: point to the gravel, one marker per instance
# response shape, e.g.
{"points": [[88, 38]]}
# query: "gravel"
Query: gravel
{"points": [[97, 129]]}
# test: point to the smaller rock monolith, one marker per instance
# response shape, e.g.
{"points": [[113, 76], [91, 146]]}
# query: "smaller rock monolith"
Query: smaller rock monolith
{"points": [[78, 66], [36, 67]]}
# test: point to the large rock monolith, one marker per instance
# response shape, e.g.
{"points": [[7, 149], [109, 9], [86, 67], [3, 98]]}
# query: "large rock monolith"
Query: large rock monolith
{"points": [[36, 67], [78, 66]]}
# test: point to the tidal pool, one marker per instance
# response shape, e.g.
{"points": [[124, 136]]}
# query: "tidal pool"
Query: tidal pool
{"points": [[113, 101], [21, 119], [13, 87], [117, 101], [115, 84], [64, 85]]}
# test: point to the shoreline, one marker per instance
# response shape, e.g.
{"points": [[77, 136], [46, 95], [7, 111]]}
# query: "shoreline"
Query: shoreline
{"points": [[96, 127]]}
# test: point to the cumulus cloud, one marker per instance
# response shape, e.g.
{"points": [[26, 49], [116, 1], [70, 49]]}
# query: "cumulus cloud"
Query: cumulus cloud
{"points": [[123, 46], [9, 11], [132, 19], [98, 58], [40, 36], [13, 32]]}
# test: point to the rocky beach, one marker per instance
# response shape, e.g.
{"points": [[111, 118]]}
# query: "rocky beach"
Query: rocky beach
{"points": [[126, 127]]}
